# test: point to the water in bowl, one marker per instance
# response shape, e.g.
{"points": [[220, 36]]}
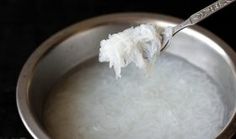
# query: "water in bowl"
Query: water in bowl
{"points": [[178, 101]]}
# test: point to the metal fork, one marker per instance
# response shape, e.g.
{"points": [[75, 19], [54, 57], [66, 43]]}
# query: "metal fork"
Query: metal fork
{"points": [[197, 17]]}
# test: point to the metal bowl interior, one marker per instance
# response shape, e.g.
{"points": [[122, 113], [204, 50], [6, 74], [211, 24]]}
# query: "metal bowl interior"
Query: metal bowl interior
{"points": [[79, 42]]}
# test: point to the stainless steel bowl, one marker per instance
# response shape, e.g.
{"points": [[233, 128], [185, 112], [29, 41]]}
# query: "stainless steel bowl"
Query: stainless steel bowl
{"points": [[79, 42]]}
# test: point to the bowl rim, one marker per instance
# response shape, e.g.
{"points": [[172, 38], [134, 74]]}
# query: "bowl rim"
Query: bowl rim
{"points": [[26, 74]]}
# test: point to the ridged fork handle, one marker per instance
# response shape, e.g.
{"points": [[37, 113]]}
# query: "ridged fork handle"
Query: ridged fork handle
{"points": [[202, 14]]}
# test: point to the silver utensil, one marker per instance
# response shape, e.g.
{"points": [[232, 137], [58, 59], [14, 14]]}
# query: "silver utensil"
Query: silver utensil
{"points": [[195, 18], [67, 49]]}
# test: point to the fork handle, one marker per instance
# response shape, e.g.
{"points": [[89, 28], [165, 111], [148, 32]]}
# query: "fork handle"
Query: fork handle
{"points": [[202, 14]]}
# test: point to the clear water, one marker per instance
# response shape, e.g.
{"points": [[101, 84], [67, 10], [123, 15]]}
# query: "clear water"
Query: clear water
{"points": [[177, 101]]}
